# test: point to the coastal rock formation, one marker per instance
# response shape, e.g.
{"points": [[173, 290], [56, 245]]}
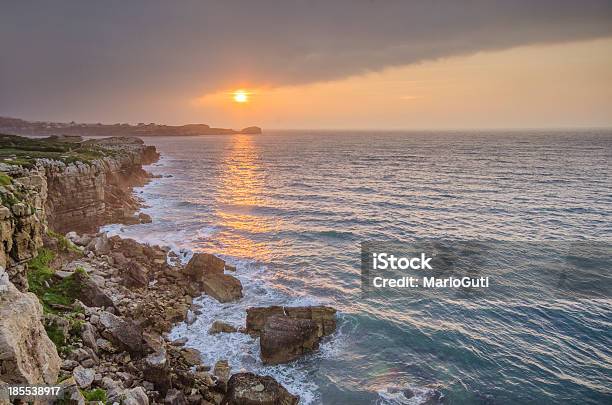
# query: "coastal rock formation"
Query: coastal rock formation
{"points": [[285, 339], [324, 317], [208, 271], [27, 355], [252, 389], [287, 333]]}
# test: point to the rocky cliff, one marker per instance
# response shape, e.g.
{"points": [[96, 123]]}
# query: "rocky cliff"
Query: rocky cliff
{"points": [[89, 185]]}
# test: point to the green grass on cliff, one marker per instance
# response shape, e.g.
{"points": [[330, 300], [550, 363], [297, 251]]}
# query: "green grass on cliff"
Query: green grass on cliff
{"points": [[5, 179], [63, 243], [52, 294], [97, 394], [22, 151]]}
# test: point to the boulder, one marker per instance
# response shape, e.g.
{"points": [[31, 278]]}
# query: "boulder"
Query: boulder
{"points": [[144, 218], [222, 287], [88, 336], [99, 245], [285, 339], [124, 334], [90, 293], [252, 389], [156, 369], [221, 327], [135, 275], [323, 316], [83, 376], [135, 396], [72, 393], [27, 355], [202, 264]]}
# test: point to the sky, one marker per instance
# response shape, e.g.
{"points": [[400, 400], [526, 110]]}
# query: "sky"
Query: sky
{"points": [[310, 64]]}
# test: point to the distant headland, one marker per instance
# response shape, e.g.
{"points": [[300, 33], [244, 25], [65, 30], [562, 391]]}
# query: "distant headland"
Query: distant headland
{"points": [[18, 126]]}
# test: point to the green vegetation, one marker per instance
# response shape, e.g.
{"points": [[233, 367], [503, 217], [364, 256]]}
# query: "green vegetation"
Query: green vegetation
{"points": [[51, 293], [5, 179], [95, 395], [21, 151], [63, 244]]}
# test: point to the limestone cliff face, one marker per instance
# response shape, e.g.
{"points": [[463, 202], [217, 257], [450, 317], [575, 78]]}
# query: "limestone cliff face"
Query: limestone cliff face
{"points": [[65, 197], [22, 222]]}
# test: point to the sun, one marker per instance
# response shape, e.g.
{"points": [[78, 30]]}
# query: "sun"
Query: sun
{"points": [[241, 96]]}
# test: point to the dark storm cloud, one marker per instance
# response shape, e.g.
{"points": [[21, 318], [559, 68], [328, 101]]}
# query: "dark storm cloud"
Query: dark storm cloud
{"points": [[74, 53]]}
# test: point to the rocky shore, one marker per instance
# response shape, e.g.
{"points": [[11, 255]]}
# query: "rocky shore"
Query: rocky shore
{"points": [[93, 313]]}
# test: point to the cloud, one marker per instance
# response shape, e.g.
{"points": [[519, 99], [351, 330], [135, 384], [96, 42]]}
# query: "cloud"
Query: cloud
{"points": [[146, 54]]}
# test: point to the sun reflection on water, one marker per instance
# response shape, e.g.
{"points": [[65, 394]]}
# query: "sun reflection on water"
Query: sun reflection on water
{"points": [[239, 194]]}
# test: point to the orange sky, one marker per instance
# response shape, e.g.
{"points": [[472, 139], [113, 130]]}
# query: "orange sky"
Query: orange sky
{"points": [[563, 85]]}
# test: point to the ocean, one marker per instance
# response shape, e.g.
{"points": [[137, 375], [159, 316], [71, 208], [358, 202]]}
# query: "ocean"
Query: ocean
{"points": [[290, 209]]}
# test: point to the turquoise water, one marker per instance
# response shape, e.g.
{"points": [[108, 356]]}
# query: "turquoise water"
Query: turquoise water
{"points": [[291, 209]]}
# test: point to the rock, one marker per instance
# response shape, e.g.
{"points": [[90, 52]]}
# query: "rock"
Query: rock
{"points": [[222, 372], [88, 336], [222, 287], [27, 355], [323, 316], [123, 333], [191, 356], [144, 218], [285, 339], [155, 368], [83, 376], [202, 264], [252, 389], [90, 293], [179, 342], [190, 318], [135, 275], [114, 390], [135, 396], [72, 393], [175, 397], [69, 365], [99, 245], [105, 345], [221, 327], [230, 268]]}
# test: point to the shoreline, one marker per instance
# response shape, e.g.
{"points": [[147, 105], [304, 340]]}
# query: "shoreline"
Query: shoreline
{"points": [[109, 305]]}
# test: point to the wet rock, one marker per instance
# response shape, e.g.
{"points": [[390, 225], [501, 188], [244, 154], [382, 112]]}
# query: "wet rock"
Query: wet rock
{"points": [[230, 268], [252, 389], [123, 333], [203, 264], [191, 356], [179, 342], [285, 339], [222, 287], [323, 316], [221, 327], [190, 318], [144, 218], [83, 376], [27, 355]]}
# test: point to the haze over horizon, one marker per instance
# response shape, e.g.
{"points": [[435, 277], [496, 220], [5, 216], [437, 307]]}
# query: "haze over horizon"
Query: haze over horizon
{"points": [[342, 64]]}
